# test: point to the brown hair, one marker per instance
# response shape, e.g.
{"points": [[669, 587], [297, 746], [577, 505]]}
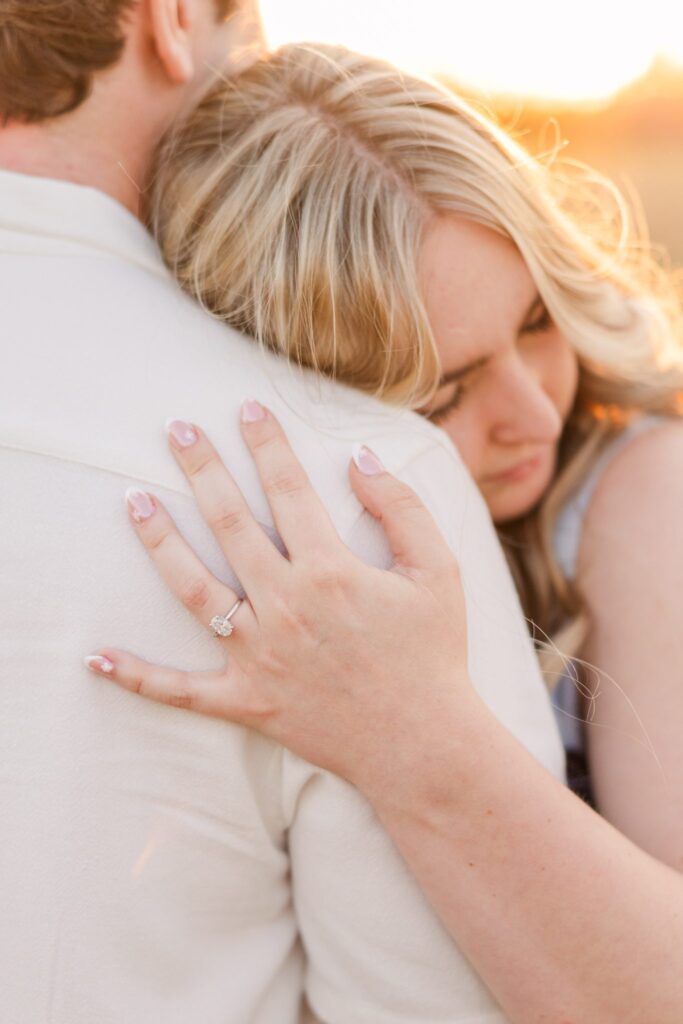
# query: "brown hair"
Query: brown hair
{"points": [[50, 51]]}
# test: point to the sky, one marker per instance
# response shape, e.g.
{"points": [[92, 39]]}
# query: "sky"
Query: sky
{"points": [[559, 49]]}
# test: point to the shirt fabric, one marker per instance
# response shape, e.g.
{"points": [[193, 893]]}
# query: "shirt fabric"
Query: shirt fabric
{"points": [[156, 865]]}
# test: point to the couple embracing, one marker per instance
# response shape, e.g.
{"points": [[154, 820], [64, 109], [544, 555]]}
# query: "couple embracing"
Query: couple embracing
{"points": [[416, 394]]}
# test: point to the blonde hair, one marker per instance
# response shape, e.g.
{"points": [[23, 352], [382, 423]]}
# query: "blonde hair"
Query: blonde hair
{"points": [[292, 204]]}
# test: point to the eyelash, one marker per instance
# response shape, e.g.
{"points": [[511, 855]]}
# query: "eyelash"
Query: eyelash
{"points": [[440, 414], [543, 323]]}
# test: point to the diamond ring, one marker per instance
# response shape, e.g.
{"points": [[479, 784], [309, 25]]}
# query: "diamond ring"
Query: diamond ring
{"points": [[221, 624]]}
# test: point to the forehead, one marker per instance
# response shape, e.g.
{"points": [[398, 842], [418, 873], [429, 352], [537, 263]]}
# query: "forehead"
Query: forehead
{"points": [[476, 287]]}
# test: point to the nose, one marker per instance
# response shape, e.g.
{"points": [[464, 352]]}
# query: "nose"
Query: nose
{"points": [[525, 411]]}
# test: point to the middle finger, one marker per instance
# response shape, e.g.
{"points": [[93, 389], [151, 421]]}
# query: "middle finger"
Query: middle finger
{"points": [[253, 557]]}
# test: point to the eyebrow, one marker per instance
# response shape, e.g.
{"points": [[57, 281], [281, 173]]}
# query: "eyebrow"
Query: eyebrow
{"points": [[454, 375]]}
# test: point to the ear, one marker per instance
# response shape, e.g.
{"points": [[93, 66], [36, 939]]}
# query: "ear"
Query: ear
{"points": [[170, 23]]}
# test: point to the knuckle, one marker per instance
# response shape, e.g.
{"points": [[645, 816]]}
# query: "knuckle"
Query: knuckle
{"points": [[182, 698], [155, 539], [228, 519], [325, 583], [195, 595], [284, 483], [136, 683], [267, 438], [405, 500], [300, 624], [199, 462], [260, 712], [327, 577]]}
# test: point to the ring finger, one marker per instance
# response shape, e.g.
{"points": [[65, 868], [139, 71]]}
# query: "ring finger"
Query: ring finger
{"points": [[183, 572]]}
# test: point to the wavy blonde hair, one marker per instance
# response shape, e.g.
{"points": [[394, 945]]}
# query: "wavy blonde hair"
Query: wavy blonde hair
{"points": [[292, 204]]}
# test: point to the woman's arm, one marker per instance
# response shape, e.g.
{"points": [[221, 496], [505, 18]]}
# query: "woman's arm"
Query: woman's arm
{"points": [[631, 575], [365, 673], [565, 919]]}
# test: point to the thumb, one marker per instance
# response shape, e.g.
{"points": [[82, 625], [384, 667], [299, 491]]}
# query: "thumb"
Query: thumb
{"points": [[414, 537]]}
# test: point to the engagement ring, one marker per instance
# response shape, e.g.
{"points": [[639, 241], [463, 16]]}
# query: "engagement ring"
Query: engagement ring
{"points": [[221, 624]]}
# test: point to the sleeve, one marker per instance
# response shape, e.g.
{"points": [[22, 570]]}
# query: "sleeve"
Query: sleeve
{"points": [[376, 952]]}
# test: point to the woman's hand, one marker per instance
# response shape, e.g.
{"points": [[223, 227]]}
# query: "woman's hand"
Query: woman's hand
{"points": [[345, 664], [364, 673]]}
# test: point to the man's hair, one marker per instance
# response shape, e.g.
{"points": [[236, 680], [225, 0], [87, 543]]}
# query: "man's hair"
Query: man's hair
{"points": [[50, 51]]}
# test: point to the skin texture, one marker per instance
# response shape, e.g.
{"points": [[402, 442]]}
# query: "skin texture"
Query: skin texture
{"points": [[631, 573], [486, 313], [500, 848]]}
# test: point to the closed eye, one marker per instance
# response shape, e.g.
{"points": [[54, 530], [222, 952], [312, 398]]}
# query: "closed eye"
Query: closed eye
{"points": [[442, 411], [543, 322]]}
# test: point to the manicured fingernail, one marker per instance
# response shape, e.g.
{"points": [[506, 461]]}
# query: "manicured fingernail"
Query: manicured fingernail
{"points": [[96, 663], [252, 411], [182, 434], [367, 461], [141, 505]]}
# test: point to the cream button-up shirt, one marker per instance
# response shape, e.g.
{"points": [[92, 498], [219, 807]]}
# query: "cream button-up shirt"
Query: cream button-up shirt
{"points": [[156, 866]]}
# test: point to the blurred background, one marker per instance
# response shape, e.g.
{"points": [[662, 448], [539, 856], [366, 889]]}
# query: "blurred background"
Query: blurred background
{"points": [[603, 80]]}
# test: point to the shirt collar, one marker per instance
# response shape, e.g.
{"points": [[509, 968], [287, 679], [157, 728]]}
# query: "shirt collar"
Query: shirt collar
{"points": [[54, 209]]}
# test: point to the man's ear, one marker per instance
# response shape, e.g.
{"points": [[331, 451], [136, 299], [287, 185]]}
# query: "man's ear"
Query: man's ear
{"points": [[170, 23]]}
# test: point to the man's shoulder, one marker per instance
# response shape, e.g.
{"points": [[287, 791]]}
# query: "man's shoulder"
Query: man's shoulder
{"points": [[113, 349], [216, 359], [206, 368]]}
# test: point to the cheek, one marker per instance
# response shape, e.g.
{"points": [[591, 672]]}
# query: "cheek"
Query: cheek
{"points": [[563, 377], [464, 427]]}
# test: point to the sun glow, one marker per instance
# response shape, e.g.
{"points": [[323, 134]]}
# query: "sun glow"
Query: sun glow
{"points": [[585, 50]]}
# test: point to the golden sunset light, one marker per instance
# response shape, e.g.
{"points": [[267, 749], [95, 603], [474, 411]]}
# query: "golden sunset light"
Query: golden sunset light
{"points": [[583, 51]]}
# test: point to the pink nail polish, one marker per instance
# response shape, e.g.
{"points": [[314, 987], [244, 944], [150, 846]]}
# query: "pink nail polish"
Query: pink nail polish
{"points": [[141, 505], [252, 411], [96, 663], [367, 461], [183, 434]]}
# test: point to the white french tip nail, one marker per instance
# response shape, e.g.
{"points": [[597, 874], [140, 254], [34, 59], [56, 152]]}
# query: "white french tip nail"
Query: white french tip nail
{"points": [[174, 419], [181, 431], [96, 663], [140, 504], [366, 460]]}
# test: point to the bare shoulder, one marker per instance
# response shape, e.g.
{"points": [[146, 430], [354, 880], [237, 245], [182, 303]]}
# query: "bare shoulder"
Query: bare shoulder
{"points": [[637, 507]]}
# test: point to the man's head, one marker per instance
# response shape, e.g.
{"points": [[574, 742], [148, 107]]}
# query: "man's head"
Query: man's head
{"points": [[51, 50], [104, 79]]}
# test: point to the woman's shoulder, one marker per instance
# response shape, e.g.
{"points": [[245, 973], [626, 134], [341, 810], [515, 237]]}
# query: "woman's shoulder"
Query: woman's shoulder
{"points": [[638, 496], [634, 464], [647, 464]]}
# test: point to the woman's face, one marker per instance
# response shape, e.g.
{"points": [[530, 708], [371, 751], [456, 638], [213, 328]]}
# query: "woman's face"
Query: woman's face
{"points": [[509, 376]]}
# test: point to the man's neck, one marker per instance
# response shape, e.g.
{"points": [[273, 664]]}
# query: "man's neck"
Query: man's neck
{"points": [[55, 151]]}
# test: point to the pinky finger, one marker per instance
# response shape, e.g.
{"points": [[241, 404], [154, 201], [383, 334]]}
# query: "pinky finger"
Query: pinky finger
{"points": [[215, 694]]}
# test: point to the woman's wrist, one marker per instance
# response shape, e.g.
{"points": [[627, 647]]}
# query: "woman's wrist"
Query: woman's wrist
{"points": [[420, 772]]}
